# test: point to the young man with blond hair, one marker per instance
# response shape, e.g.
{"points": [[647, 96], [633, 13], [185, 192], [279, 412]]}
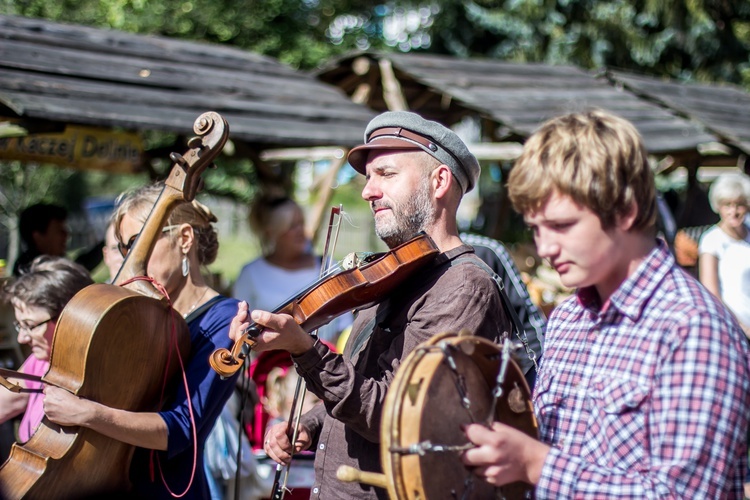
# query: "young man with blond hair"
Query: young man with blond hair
{"points": [[644, 388]]}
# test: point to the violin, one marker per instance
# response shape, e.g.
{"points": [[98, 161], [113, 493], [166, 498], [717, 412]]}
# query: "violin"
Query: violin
{"points": [[336, 294], [112, 344]]}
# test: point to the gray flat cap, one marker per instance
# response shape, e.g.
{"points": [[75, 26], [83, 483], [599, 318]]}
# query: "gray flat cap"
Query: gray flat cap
{"points": [[402, 130]]}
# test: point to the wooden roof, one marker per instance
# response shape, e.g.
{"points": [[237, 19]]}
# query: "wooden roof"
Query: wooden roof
{"points": [[513, 98], [73, 74], [723, 109]]}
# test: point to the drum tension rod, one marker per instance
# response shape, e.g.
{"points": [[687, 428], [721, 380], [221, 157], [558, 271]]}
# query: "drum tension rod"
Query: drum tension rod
{"points": [[458, 378], [497, 393], [425, 447]]}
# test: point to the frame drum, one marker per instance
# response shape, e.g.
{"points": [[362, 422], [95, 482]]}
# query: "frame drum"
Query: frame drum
{"points": [[444, 384]]}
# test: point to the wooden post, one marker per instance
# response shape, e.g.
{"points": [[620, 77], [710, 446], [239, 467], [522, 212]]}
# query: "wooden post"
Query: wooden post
{"points": [[392, 93], [325, 194]]}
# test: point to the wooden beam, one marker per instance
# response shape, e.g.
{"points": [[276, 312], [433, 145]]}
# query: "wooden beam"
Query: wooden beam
{"points": [[311, 154], [392, 94], [482, 150], [496, 150], [324, 198]]}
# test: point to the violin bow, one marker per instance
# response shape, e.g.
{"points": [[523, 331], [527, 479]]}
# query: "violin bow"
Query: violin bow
{"points": [[18, 375], [300, 390]]}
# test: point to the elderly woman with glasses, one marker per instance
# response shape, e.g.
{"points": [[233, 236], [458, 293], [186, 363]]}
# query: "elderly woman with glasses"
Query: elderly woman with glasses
{"points": [[38, 296], [724, 266]]}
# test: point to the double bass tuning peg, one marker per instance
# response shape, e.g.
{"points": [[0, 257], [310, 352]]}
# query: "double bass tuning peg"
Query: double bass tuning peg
{"points": [[178, 159]]}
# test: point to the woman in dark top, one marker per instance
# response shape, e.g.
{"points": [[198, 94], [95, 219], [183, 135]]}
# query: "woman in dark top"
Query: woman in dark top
{"points": [[187, 242]]}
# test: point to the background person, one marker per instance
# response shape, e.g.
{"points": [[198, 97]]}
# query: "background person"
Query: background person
{"points": [[288, 263], [644, 390], [416, 172], [113, 259], [188, 242], [38, 296], [44, 231], [724, 264]]}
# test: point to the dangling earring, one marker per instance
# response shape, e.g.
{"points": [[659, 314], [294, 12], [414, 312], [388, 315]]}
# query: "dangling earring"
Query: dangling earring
{"points": [[185, 265]]}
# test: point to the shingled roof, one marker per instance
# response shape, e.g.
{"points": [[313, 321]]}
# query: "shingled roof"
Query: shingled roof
{"points": [[723, 109], [74, 74], [516, 98]]}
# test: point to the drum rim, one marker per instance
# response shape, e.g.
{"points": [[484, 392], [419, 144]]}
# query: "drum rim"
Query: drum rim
{"points": [[395, 398]]}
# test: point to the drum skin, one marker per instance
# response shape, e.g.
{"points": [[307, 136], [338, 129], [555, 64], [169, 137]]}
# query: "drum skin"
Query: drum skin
{"points": [[424, 404]]}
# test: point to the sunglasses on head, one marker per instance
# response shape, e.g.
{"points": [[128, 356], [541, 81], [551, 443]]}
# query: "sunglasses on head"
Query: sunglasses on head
{"points": [[125, 247]]}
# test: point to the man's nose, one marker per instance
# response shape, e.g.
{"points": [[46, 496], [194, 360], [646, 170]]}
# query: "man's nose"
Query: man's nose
{"points": [[546, 246], [371, 191]]}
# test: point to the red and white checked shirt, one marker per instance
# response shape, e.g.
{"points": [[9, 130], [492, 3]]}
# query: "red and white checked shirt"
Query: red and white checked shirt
{"points": [[647, 396]]}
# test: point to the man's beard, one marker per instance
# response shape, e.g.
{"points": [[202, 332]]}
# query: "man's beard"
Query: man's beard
{"points": [[406, 219]]}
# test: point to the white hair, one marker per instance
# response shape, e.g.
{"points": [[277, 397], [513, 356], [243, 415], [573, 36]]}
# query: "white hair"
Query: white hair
{"points": [[729, 187]]}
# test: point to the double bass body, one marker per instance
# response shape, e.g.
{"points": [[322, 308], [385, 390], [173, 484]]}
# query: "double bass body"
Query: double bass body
{"points": [[103, 350]]}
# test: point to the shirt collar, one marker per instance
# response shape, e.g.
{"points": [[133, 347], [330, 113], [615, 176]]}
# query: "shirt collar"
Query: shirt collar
{"points": [[631, 296]]}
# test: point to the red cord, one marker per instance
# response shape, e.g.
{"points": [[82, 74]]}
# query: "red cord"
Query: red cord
{"points": [[176, 348]]}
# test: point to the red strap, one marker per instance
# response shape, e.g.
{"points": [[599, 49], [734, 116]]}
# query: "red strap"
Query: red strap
{"points": [[175, 348]]}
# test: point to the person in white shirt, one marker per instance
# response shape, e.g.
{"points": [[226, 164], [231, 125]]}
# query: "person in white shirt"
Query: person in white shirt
{"points": [[288, 264], [724, 265]]}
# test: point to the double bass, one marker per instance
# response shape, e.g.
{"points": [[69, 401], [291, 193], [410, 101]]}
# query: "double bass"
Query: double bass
{"points": [[115, 345]]}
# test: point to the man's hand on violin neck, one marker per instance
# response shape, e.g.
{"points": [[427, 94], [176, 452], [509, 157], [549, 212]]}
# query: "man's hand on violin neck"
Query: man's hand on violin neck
{"points": [[280, 331]]}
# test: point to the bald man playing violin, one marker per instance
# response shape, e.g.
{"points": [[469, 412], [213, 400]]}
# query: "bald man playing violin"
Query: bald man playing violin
{"points": [[417, 171]]}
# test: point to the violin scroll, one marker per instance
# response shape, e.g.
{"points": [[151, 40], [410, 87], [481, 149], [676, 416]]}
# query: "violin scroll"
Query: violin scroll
{"points": [[224, 363]]}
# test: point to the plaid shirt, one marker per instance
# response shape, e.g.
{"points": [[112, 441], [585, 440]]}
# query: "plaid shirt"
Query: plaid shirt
{"points": [[646, 396]]}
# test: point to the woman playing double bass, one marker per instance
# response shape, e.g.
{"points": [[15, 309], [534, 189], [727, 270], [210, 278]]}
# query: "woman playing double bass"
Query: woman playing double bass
{"points": [[187, 242]]}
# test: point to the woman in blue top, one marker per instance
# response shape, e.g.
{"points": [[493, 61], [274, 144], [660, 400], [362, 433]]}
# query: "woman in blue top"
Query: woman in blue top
{"points": [[188, 242]]}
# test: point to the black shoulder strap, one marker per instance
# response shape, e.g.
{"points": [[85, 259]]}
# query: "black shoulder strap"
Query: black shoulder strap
{"points": [[517, 326], [200, 310]]}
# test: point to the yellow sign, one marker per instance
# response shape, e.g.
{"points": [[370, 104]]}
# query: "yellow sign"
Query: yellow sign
{"points": [[77, 147]]}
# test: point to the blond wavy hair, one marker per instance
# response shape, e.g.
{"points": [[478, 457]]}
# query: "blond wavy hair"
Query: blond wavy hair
{"points": [[596, 158], [138, 204]]}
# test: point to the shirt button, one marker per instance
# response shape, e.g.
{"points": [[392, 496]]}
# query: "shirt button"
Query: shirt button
{"points": [[315, 490], [322, 446]]}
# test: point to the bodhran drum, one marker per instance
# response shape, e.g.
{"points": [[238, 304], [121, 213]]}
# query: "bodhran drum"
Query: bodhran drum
{"points": [[446, 383]]}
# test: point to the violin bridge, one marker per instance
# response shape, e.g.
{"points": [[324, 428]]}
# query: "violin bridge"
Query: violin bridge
{"points": [[356, 259]]}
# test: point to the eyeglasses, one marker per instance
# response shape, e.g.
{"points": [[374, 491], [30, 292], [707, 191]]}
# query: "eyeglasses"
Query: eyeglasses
{"points": [[29, 328], [125, 247]]}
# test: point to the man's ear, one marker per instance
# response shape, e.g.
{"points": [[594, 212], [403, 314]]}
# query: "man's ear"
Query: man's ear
{"points": [[37, 238], [625, 220], [442, 180]]}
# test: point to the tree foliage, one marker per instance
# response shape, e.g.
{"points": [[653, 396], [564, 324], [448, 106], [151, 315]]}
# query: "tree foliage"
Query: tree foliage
{"points": [[684, 39], [704, 40]]}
